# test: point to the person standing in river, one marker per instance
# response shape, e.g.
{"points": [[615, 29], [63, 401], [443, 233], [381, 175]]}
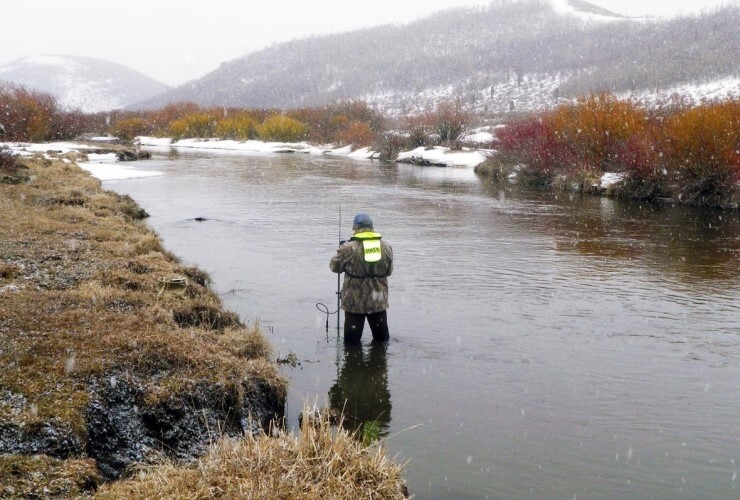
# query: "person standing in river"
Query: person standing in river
{"points": [[366, 261]]}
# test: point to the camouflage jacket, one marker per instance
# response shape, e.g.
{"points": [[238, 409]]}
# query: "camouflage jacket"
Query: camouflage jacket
{"points": [[365, 288]]}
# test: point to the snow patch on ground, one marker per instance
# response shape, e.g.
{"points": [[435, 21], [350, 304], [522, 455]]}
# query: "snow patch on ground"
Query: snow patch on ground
{"points": [[106, 171], [609, 179], [440, 156], [253, 146], [444, 157], [481, 135], [29, 148], [104, 166]]}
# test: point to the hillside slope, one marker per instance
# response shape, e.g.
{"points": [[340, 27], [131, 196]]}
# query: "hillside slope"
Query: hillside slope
{"points": [[509, 55], [88, 84]]}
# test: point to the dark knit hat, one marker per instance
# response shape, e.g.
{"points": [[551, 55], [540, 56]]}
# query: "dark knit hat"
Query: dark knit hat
{"points": [[362, 220]]}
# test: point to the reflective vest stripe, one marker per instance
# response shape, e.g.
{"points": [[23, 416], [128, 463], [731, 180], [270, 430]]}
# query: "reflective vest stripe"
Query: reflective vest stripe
{"points": [[372, 250]]}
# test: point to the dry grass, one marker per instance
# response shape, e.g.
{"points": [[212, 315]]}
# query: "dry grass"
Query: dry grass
{"points": [[79, 300], [45, 477], [321, 462]]}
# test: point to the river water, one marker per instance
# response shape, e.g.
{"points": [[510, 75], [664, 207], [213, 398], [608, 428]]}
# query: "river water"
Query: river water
{"points": [[542, 345]]}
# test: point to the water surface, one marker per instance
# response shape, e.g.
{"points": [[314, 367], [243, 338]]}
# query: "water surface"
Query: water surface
{"points": [[542, 345]]}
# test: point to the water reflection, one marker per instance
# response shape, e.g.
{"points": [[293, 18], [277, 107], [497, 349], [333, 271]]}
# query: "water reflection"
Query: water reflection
{"points": [[360, 391], [686, 242]]}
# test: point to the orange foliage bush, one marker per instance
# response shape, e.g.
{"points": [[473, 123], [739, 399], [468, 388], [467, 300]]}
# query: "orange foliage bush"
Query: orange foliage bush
{"points": [[160, 119], [705, 141], [594, 131], [358, 134], [130, 127], [329, 124], [26, 115]]}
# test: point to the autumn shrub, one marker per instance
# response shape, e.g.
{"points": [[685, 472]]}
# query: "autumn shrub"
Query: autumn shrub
{"points": [[27, 115], [688, 153], [358, 134], [591, 135], [130, 127], [282, 128], [199, 124], [359, 111], [238, 127], [161, 119], [389, 144], [329, 124], [704, 143], [532, 143], [419, 129], [450, 120]]}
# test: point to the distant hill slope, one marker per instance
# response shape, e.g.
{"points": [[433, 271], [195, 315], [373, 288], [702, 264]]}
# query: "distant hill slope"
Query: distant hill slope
{"points": [[83, 83], [509, 55]]}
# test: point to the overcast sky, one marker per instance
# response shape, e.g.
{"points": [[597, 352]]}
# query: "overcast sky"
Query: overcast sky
{"points": [[178, 41]]}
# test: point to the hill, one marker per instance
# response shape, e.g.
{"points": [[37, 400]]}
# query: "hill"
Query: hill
{"points": [[509, 55], [88, 84]]}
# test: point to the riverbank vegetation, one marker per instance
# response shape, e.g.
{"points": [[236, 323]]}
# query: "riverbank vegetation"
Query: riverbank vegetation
{"points": [[686, 154], [691, 155], [321, 462], [114, 353]]}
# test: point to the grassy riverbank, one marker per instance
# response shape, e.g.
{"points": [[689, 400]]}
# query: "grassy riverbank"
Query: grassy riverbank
{"points": [[107, 367]]}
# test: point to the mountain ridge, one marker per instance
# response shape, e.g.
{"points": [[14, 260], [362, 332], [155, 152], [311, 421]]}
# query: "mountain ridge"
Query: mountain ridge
{"points": [[474, 52], [85, 83]]}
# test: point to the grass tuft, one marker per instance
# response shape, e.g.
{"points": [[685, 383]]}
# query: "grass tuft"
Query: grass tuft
{"points": [[319, 462]]}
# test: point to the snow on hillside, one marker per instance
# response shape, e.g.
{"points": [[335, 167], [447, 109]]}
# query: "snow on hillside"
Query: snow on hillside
{"points": [[689, 94], [90, 85], [516, 92], [584, 11], [535, 92]]}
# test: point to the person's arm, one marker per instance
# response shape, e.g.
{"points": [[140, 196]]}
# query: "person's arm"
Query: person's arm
{"points": [[336, 264], [389, 252]]}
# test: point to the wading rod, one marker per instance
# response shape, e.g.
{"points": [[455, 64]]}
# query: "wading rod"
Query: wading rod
{"points": [[339, 298], [322, 307]]}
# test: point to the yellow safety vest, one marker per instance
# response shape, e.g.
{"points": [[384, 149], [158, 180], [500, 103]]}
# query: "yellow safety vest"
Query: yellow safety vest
{"points": [[370, 245]]}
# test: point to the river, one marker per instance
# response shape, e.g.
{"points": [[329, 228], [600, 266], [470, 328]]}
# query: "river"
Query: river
{"points": [[543, 345]]}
